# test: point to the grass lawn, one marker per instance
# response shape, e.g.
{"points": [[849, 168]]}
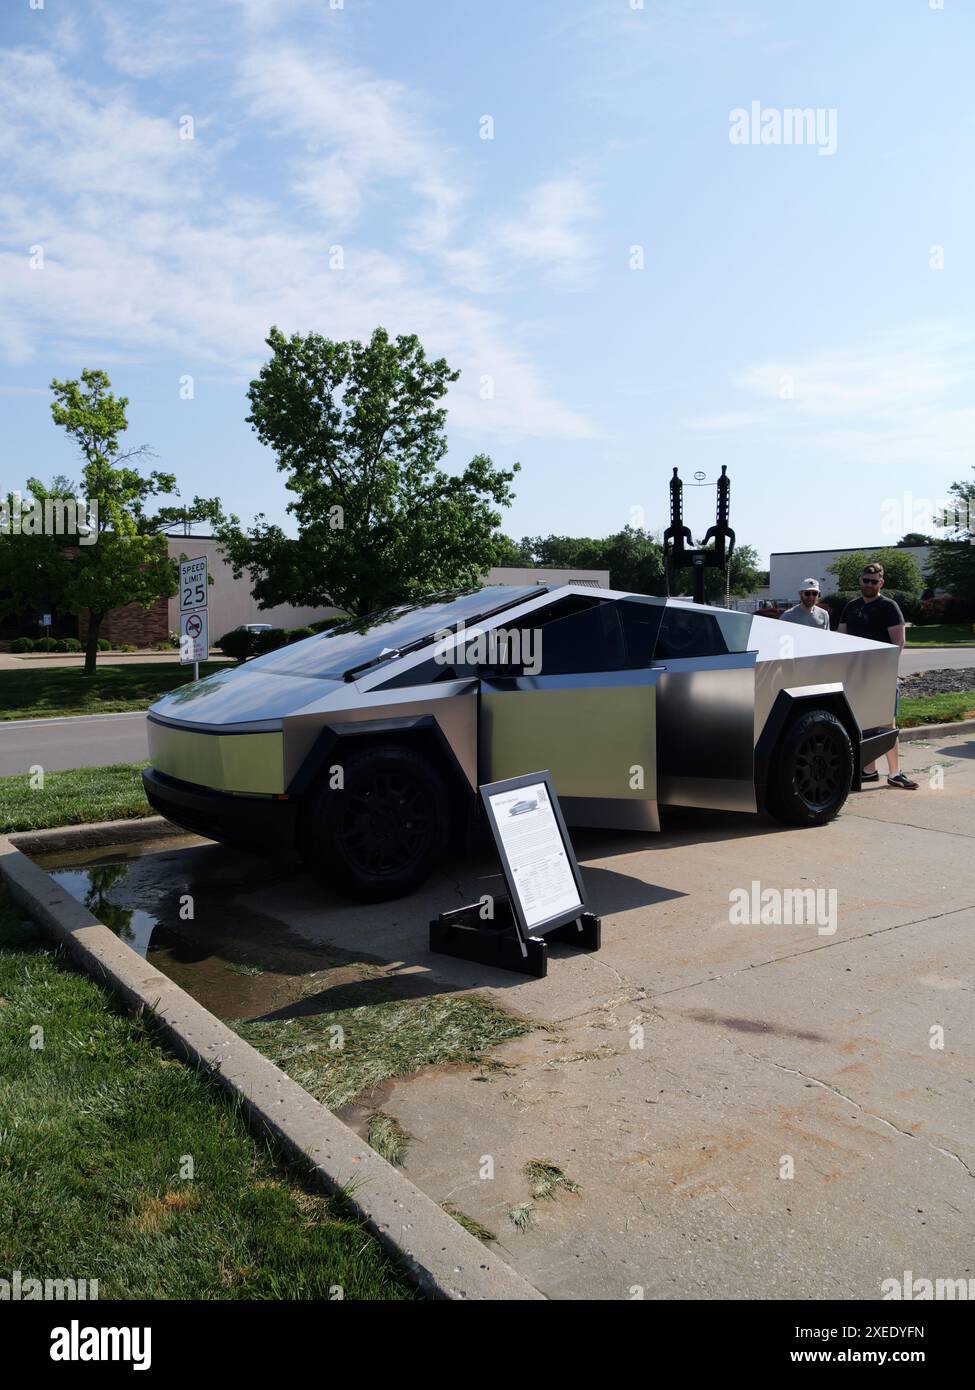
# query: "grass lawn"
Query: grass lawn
{"points": [[72, 798], [382, 1036], [936, 709], [59, 690], [942, 635], [99, 1127]]}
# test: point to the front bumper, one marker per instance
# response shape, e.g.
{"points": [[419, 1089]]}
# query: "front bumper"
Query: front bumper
{"points": [[255, 822]]}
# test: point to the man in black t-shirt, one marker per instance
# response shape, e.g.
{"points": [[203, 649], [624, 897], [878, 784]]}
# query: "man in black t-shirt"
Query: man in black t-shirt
{"points": [[880, 620]]}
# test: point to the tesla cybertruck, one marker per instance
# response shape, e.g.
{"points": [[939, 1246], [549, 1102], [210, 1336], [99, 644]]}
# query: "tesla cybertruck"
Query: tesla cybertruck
{"points": [[363, 748]]}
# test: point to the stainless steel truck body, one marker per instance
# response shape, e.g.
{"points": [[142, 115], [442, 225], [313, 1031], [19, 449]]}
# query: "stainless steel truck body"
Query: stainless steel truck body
{"points": [[364, 747]]}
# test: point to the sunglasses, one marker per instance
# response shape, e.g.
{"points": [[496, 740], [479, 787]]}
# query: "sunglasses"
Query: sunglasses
{"points": [[869, 579], [807, 593]]}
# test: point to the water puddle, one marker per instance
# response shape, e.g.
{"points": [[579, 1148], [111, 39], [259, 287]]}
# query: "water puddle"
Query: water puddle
{"points": [[180, 905]]}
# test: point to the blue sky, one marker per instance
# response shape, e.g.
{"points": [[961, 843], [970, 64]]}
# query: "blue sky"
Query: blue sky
{"points": [[792, 318]]}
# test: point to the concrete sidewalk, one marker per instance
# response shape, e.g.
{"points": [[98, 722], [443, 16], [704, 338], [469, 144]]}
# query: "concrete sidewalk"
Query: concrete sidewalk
{"points": [[690, 1065], [683, 1072], [9, 662]]}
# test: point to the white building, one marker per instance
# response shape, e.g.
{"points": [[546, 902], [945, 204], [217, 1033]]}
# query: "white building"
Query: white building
{"points": [[788, 568], [231, 602]]}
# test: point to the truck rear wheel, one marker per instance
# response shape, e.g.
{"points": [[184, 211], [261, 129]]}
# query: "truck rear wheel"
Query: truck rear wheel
{"points": [[812, 769], [381, 834]]}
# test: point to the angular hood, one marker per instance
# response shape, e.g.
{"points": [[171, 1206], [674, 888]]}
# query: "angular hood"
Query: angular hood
{"points": [[246, 695]]}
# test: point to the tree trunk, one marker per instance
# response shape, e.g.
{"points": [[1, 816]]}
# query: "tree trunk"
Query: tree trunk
{"points": [[91, 646]]}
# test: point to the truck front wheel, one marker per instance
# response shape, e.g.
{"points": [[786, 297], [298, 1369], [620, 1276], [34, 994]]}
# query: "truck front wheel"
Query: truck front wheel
{"points": [[812, 770], [381, 833]]}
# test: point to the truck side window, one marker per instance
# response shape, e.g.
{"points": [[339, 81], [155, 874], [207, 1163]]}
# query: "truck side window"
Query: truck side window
{"points": [[688, 632]]}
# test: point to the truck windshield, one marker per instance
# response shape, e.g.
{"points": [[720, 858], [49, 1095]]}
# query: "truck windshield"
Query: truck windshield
{"points": [[363, 642]]}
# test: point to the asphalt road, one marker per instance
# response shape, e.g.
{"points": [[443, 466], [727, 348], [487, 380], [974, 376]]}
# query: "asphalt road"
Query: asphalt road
{"points": [[94, 740], [936, 659], [84, 741]]}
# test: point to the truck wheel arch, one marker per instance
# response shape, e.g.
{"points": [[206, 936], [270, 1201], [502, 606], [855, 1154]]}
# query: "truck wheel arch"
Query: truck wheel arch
{"points": [[788, 705]]}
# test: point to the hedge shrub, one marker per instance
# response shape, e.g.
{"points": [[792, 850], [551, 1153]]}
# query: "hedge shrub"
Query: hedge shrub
{"points": [[269, 641], [237, 644], [22, 644], [240, 644], [948, 609]]}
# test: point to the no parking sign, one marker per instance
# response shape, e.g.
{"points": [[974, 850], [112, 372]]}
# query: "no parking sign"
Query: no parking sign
{"points": [[194, 635]]}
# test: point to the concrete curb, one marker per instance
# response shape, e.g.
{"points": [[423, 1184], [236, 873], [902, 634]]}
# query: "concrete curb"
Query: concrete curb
{"points": [[960, 726], [441, 1256], [94, 834]]}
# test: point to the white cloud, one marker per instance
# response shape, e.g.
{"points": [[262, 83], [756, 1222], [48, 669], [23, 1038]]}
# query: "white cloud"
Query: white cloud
{"points": [[352, 133], [899, 397], [551, 232], [146, 253], [83, 144], [728, 420], [885, 377]]}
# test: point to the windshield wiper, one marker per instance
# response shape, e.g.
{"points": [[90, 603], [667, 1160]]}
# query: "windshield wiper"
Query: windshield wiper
{"points": [[389, 654], [458, 626]]}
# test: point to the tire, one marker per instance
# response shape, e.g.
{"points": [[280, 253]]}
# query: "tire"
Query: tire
{"points": [[812, 769], [382, 834]]}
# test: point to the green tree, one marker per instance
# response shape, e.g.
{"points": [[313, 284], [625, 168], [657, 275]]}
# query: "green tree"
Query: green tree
{"points": [[359, 430], [33, 570], [201, 509], [901, 571], [632, 556], [914, 538], [126, 562], [635, 561], [510, 553], [951, 563]]}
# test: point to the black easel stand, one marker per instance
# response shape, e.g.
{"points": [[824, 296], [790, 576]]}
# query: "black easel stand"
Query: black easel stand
{"points": [[464, 934]]}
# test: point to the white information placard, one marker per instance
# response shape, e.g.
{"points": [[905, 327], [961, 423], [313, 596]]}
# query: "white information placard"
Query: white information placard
{"points": [[531, 838], [192, 584]]}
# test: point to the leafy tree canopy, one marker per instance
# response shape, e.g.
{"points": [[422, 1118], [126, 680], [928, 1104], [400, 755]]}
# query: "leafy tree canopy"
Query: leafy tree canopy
{"points": [[951, 563], [901, 570], [359, 429], [123, 559]]}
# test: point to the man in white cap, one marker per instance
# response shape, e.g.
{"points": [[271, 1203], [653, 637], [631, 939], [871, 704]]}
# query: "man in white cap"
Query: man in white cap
{"points": [[807, 610]]}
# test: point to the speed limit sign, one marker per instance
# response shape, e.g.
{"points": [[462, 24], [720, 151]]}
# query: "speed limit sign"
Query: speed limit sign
{"points": [[193, 625], [192, 584]]}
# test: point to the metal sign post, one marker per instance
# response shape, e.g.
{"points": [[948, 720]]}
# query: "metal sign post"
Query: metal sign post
{"points": [[194, 634]]}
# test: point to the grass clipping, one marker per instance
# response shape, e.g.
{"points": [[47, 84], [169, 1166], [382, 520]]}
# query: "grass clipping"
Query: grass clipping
{"points": [[337, 1056], [386, 1137]]}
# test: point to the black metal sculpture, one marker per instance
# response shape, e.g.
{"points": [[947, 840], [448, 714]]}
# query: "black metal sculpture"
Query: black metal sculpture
{"points": [[679, 556]]}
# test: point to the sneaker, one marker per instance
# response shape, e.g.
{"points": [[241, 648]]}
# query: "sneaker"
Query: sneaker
{"points": [[904, 783], [869, 776]]}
